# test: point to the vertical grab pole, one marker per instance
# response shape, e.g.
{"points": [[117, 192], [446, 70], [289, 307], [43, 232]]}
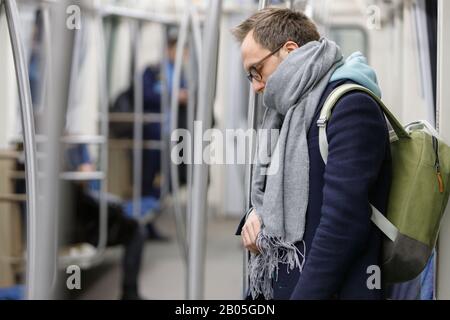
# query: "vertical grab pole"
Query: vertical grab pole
{"points": [[421, 29], [252, 124], [192, 89], [55, 191], [174, 175], [252, 119], [44, 99], [197, 35], [165, 109], [290, 4], [207, 90], [75, 69], [442, 276], [193, 74], [138, 125], [26, 109], [48, 54], [104, 132]]}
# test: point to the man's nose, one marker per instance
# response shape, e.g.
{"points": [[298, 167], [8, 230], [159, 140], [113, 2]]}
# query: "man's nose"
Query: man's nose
{"points": [[258, 86]]}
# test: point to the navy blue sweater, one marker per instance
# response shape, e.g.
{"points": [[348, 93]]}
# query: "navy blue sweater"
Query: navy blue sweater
{"points": [[341, 241]]}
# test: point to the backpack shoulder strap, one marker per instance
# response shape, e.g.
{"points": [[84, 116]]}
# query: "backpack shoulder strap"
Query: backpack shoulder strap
{"points": [[377, 217], [331, 101]]}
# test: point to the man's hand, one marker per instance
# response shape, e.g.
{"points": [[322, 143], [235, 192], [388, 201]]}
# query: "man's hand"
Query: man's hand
{"points": [[86, 167], [250, 231]]}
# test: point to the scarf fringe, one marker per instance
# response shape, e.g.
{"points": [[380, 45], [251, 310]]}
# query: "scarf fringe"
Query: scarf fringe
{"points": [[263, 267]]}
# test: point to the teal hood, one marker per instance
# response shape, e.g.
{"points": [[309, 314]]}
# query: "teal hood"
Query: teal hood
{"points": [[356, 69]]}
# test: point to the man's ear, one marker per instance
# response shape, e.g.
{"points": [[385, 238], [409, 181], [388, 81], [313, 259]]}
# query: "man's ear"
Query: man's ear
{"points": [[288, 48]]}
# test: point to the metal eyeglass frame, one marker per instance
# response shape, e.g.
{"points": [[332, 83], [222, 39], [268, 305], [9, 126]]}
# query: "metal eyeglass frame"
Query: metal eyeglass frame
{"points": [[253, 72]]}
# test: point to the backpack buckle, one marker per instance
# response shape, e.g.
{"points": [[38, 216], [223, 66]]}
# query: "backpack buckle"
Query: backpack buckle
{"points": [[322, 122]]}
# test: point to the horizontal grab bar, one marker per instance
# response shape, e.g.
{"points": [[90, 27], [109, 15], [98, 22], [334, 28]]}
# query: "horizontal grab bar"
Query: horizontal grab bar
{"points": [[13, 197], [129, 117], [128, 144], [85, 139], [82, 176]]}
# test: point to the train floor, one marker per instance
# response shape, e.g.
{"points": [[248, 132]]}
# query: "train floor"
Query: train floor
{"points": [[163, 274]]}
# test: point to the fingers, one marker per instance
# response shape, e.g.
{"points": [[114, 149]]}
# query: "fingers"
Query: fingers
{"points": [[249, 239], [253, 249], [255, 227], [245, 238], [250, 228], [250, 232]]}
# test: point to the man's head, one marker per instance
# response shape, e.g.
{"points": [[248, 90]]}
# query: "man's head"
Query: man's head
{"points": [[172, 39], [172, 49], [267, 37]]}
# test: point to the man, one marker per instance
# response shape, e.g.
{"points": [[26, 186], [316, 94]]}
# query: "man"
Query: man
{"points": [[309, 230], [152, 103], [152, 96]]}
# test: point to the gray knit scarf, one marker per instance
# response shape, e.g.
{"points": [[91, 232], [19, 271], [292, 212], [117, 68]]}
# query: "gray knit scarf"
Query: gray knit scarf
{"points": [[280, 184]]}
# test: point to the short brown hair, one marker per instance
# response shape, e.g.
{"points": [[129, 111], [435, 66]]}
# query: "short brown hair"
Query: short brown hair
{"points": [[274, 26]]}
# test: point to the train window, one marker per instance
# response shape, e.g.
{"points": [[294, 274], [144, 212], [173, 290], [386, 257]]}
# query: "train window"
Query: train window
{"points": [[350, 39]]}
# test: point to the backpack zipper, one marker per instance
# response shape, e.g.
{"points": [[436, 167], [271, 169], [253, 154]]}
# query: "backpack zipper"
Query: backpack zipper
{"points": [[437, 164]]}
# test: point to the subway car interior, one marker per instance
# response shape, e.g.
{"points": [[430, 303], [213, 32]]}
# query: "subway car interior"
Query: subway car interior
{"points": [[105, 106]]}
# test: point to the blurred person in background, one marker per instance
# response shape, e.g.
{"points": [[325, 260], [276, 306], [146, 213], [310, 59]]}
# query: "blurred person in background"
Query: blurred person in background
{"points": [[153, 89], [122, 229]]}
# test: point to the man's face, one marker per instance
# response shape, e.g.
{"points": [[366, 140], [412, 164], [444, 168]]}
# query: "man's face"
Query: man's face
{"points": [[252, 53], [172, 52]]}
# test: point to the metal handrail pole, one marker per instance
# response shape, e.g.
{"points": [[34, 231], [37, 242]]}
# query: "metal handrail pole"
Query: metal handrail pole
{"points": [[191, 106], [195, 66], [104, 132], [138, 125], [174, 172], [27, 119], [252, 118], [195, 56], [164, 110], [197, 34], [207, 89], [44, 99]]}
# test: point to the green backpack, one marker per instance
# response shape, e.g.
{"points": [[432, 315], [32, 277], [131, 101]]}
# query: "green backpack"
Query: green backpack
{"points": [[418, 195]]}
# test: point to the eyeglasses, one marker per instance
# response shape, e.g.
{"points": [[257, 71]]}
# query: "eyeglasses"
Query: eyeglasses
{"points": [[253, 72]]}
